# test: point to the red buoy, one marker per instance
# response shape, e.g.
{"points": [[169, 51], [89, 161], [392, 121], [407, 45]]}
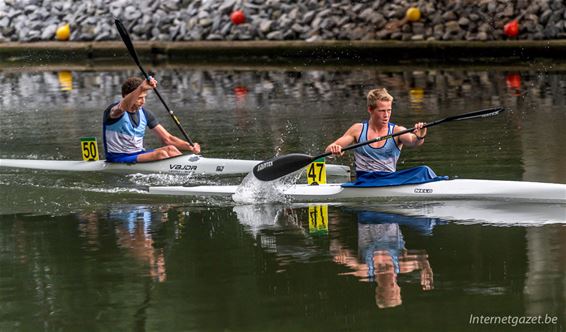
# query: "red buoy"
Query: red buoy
{"points": [[511, 29], [238, 17]]}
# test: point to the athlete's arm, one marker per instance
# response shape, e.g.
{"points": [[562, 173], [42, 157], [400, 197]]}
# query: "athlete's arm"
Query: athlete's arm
{"points": [[132, 100], [168, 139], [349, 137], [416, 138]]}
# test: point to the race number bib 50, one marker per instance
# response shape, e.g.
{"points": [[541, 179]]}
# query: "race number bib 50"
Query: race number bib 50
{"points": [[89, 148]]}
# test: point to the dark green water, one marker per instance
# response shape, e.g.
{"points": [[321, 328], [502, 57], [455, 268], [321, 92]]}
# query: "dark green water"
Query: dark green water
{"points": [[93, 252]]}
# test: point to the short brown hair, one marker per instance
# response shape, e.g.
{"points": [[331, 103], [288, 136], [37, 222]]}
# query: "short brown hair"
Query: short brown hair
{"points": [[130, 85], [376, 95]]}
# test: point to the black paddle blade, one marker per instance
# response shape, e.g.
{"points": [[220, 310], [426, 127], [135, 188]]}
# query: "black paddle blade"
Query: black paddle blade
{"points": [[277, 167]]}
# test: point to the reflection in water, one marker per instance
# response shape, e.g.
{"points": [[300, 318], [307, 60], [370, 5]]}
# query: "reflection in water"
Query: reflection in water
{"points": [[382, 255], [318, 219], [137, 267], [135, 229], [65, 80], [545, 278], [53, 265], [249, 88], [259, 219], [134, 234], [496, 212], [417, 98], [513, 81]]}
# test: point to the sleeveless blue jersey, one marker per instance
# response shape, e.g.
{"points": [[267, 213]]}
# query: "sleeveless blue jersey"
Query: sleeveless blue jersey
{"points": [[370, 159], [123, 137]]}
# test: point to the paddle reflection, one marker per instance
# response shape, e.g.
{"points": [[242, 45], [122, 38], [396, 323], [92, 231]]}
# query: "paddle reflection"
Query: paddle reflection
{"points": [[382, 254]]}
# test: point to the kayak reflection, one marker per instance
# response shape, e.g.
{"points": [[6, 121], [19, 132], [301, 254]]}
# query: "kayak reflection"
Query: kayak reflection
{"points": [[382, 254], [501, 213]]}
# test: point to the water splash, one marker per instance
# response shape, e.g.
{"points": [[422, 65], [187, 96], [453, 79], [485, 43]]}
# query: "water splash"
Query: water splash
{"points": [[166, 179], [253, 191]]}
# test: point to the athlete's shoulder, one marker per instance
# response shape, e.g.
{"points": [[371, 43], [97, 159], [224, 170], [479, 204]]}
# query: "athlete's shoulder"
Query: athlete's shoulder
{"points": [[356, 128], [106, 115], [112, 104], [397, 128], [358, 125]]}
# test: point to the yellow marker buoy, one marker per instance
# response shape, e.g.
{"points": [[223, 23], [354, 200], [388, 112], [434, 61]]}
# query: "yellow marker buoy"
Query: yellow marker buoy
{"points": [[413, 14], [63, 32]]}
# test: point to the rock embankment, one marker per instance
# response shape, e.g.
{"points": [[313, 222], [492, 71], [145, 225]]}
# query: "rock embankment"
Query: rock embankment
{"points": [[309, 20]]}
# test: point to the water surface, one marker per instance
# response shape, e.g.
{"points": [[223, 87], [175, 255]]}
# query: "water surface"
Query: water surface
{"points": [[95, 252]]}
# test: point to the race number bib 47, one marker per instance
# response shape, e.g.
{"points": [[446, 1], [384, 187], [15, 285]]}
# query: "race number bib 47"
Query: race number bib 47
{"points": [[316, 172]]}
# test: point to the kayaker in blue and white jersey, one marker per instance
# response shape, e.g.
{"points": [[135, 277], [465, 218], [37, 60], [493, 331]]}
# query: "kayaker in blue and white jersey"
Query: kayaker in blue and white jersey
{"points": [[124, 125], [379, 159]]}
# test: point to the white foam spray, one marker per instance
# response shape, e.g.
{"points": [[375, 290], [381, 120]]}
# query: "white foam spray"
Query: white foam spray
{"points": [[254, 191]]}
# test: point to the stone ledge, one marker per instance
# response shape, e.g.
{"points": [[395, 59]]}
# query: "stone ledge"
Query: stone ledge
{"points": [[313, 51]]}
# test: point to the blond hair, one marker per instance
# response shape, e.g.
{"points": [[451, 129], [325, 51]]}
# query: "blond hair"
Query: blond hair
{"points": [[376, 95]]}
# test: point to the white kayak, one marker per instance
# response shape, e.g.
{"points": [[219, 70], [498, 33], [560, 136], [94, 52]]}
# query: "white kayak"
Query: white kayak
{"points": [[459, 189], [185, 164]]}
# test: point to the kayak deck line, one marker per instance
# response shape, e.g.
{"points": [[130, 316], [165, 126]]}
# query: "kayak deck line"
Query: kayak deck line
{"points": [[458, 189], [185, 164]]}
